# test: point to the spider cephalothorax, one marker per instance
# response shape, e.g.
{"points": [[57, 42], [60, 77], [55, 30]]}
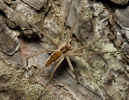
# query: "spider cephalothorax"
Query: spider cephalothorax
{"points": [[66, 48]]}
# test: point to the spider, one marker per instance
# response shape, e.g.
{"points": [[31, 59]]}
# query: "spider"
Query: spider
{"points": [[65, 50]]}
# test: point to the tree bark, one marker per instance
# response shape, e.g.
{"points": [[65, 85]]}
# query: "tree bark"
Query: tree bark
{"points": [[24, 24]]}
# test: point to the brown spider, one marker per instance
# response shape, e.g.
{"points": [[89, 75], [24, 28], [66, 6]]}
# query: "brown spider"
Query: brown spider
{"points": [[65, 50]]}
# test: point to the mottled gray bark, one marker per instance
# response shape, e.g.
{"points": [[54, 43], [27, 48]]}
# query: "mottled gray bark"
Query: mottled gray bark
{"points": [[23, 24]]}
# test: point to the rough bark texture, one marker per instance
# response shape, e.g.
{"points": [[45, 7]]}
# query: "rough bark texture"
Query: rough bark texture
{"points": [[101, 76], [120, 2]]}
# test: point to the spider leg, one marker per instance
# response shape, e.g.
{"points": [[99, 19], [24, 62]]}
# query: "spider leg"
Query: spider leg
{"points": [[10, 42], [93, 53], [50, 39], [26, 59], [57, 65], [71, 67], [86, 46], [75, 23], [63, 22]]}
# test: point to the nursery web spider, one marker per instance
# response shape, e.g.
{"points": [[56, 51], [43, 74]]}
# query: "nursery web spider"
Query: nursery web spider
{"points": [[65, 49]]}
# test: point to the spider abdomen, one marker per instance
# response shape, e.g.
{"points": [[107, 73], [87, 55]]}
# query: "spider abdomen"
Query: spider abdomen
{"points": [[54, 57]]}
